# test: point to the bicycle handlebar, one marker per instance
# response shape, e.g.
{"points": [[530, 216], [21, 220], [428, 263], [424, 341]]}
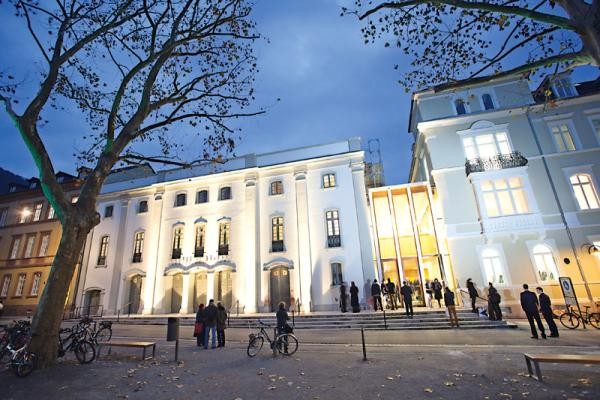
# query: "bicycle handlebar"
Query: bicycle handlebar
{"points": [[263, 324]]}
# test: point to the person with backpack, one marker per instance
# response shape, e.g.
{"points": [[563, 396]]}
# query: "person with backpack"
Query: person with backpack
{"points": [[221, 324], [376, 293], [210, 324], [451, 307]]}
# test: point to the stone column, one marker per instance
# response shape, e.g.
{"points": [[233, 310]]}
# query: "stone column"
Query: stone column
{"points": [[360, 199], [153, 244], [185, 294], [304, 248], [210, 286], [120, 258], [248, 290]]}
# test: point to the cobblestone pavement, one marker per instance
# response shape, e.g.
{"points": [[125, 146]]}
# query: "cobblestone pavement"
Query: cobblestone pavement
{"points": [[484, 366]]}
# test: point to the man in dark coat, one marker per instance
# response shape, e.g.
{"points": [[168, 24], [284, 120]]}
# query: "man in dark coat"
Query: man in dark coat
{"points": [[343, 297], [494, 298], [529, 302], [376, 293], [210, 324], [472, 294], [406, 292], [546, 309], [391, 291]]}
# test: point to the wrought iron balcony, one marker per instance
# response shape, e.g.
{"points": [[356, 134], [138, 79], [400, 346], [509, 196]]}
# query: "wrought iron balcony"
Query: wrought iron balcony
{"points": [[334, 241], [277, 246], [101, 260], [199, 252], [137, 257], [500, 161], [224, 250], [176, 254]]}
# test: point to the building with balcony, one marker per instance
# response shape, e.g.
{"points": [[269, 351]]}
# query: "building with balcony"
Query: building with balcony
{"points": [[251, 232], [514, 177], [29, 237]]}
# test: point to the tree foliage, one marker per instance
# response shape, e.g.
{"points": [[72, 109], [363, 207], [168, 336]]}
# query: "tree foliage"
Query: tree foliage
{"points": [[464, 42], [139, 70]]}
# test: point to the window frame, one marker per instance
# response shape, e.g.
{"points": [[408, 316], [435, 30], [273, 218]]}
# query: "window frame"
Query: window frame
{"points": [[37, 211], [340, 273], [180, 195], [224, 237], [51, 212], [199, 239], [139, 207], [230, 193], [533, 245], [29, 248], [21, 280], [592, 186], [276, 188], [455, 101], [109, 211], [511, 193], [277, 233], [483, 105], [499, 256], [138, 246], [482, 128], [43, 236], [572, 132], [13, 254], [6, 281], [595, 130], [326, 180], [332, 225], [35, 284], [103, 250], [177, 243], [3, 216], [198, 196]]}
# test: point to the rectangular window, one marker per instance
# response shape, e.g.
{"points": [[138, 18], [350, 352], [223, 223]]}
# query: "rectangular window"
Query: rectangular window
{"points": [[103, 250], [328, 180], [108, 211], [199, 242], [35, 286], [45, 241], [14, 250], [37, 212], [138, 246], [504, 197], [143, 207], [29, 246], [336, 274], [276, 188], [596, 126], [25, 215], [224, 232], [202, 196], [3, 216], [486, 145], [51, 212], [5, 285], [225, 193], [277, 234], [584, 191], [563, 136], [333, 228], [20, 285], [177, 242]]}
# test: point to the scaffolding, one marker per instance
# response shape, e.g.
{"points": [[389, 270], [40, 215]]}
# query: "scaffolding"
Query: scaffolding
{"points": [[373, 165]]}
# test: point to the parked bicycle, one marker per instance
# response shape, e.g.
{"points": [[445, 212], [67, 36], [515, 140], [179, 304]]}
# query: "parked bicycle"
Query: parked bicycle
{"points": [[285, 343], [75, 339], [14, 343], [97, 333], [571, 318]]}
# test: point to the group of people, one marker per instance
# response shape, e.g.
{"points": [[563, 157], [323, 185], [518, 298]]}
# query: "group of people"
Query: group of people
{"points": [[354, 303], [493, 301], [532, 305], [211, 322]]}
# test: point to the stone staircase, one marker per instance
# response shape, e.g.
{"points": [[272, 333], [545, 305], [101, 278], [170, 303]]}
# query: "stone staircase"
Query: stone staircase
{"points": [[426, 319]]}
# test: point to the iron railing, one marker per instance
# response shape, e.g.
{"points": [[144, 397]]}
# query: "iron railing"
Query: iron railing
{"points": [[334, 241], [199, 252], [276, 246], [176, 254], [497, 162], [224, 250], [137, 257]]}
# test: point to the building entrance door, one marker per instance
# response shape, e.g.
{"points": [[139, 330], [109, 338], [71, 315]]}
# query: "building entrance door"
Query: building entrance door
{"points": [[412, 276], [176, 293], [92, 303], [224, 294], [200, 290], [280, 287], [135, 291]]}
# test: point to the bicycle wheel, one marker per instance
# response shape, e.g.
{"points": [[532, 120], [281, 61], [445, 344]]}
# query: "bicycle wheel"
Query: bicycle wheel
{"points": [[103, 335], [85, 352], [569, 320], [595, 320], [287, 344], [256, 343], [24, 363]]}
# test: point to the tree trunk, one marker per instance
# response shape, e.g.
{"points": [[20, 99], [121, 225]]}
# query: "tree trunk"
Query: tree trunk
{"points": [[48, 316], [586, 17]]}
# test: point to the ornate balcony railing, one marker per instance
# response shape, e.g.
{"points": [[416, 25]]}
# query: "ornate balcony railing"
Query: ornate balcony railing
{"points": [[500, 161], [137, 257], [334, 241], [199, 252], [223, 250], [176, 254], [276, 246]]}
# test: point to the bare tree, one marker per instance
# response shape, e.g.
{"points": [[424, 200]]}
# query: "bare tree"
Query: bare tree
{"points": [[469, 41], [139, 70]]}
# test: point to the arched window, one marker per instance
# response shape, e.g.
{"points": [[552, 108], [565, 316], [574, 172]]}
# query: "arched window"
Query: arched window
{"points": [[584, 190], [202, 196], [276, 188], [460, 106], [544, 263], [225, 193], [103, 250], [199, 240], [488, 103], [277, 234], [492, 266], [177, 242], [138, 246], [180, 200], [224, 235]]}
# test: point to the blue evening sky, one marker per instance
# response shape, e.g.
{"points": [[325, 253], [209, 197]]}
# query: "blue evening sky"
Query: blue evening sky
{"points": [[332, 86]]}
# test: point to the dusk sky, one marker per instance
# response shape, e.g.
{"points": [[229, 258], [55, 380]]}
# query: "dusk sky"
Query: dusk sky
{"points": [[332, 86]]}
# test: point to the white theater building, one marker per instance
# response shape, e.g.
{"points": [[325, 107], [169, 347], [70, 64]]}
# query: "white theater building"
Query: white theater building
{"points": [[254, 231]]}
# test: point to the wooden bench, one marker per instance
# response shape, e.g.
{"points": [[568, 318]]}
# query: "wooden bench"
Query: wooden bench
{"points": [[557, 358], [117, 343]]}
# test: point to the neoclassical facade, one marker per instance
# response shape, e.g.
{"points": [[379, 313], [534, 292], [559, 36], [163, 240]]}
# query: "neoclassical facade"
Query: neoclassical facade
{"points": [[259, 229]]}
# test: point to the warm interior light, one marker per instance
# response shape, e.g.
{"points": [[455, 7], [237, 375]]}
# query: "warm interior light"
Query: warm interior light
{"points": [[26, 212]]}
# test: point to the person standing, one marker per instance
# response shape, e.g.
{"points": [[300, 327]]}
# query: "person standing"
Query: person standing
{"points": [[343, 297], [200, 324], [221, 324], [429, 292], [1, 308], [437, 291], [529, 302], [376, 293], [472, 294], [494, 311], [546, 309], [210, 324], [354, 297], [391, 291], [406, 292], [282, 325], [450, 306]]}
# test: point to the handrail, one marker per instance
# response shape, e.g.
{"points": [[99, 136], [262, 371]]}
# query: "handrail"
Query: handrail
{"points": [[478, 296]]}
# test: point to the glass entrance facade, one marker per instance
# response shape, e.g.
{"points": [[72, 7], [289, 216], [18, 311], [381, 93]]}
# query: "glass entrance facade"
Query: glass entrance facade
{"points": [[406, 242]]}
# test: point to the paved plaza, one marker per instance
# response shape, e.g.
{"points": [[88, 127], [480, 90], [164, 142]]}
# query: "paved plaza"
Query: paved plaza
{"points": [[463, 364]]}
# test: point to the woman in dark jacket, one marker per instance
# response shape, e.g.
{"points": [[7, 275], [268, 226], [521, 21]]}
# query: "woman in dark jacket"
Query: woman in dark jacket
{"points": [[354, 298], [437, 291], [221, 324], [472, 294], [494, 299], [200, 319]]}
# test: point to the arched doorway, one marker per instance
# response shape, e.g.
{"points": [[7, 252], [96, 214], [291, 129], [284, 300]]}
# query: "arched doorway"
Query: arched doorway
{"points": [[200, 289], [224, 288], [280, 287], [176, 293], [135, 292], [91, 304]]}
